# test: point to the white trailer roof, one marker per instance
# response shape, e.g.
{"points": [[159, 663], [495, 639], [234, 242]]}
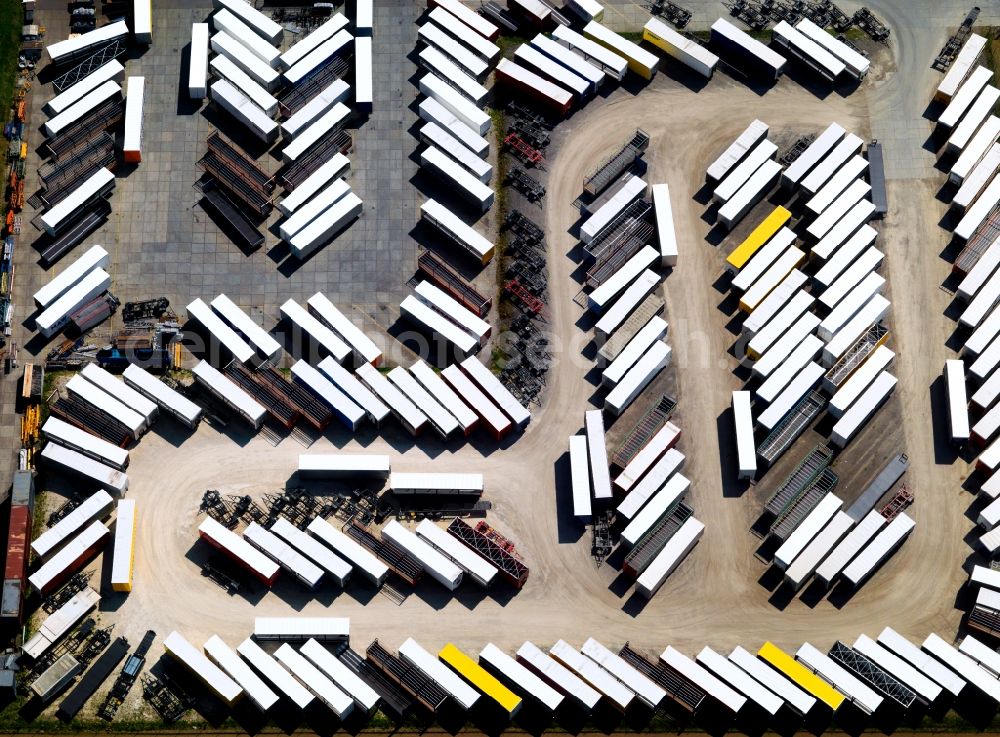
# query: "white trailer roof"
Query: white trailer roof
{"points": [[988, 599], [479, 569], [982, 654], [96, 506], [240, 349], [815, 52], [124, 546], [198, 69], [776, 683], [208, 672], [455, 173], [239, 548], [844, 253], [314, 183], [166, 397], [61, 50], [982, 302], [977, 179], [651, 483], [781, 242], [579, 476], [672, 492], [353, 335], [989, 517], [244, 109], [767, 335], [319, 332], [749, 194], [626, 273], [841, 679], [849, 306], [976, 149], [117, 388], [312, 549], [774, 301], [663, 440], [94, 257], [634, 189], [884, 543], [985, 577], [676, 549], [275, 673], [302, 48], [486, 49], [812, 155], [651, 332], [925, 663], [629, 676], [442, 420], [598, 453], [558, 675], [740, 175], [60, 622], [437, 63], [53, 218], [284, 554], [337, 91], [865, 406], [615, 315], [963, 665], [262, 25], [980, 274], [852, 276], [871, 313], [990, 541], [738, 679], [979, 210], [848, 393], [703, 679], [452, 309], [550, 68], [612, 63], [226, 21], [987, 425], [433, 35], [808, 560], [253, 686], [470, 393], [435, 135], [318, 57], [821, 514], [463, 693], [344, 464], [408, 482], [438, 324], [222, 43], [459, 106], [452, 225], [520, 677], [852, 170], [593, 674], [363, 694], [982, 335], [776, 273], [82, 441], [312, 677], [103, 401], [444, 394], [229, 392], [835, 215], [856, 62], [473, 20], [960, 66], [729, 158], [750, 44], [898, 668], [849, 146], [568, 59], [438, 566], [970, 88], [224, 67], [354, 389], [393, 397], [71, 461], [113, 70], [633, 52], [638, 378], [746, 453], [359, 556], [807, 347], [972, 119], [315, 131], [958, 400], [496, 391]]}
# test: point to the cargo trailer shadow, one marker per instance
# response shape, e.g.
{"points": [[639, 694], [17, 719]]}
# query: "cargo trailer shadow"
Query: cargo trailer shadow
{"points": [[250, 589], [569, 529], [222, 121]]}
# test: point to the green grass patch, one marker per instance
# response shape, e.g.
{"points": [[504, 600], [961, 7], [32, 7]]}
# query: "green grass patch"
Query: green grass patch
{"points": [[11, 21], [633, 36], [507, 44]]}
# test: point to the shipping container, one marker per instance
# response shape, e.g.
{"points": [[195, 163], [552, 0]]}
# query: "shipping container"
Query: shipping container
{"points": [[343, 465], [651, 332], [797, 699], [763, 259], [435, 37], [366, 563], [97, 185], [451, 308], [357, 392], [660, 502], [437, 415], [260, 23], [766, 335], [739, 680], [639, 60], [610, 687], [92, 472], [558, 676], [976, 149], [849, 306], [322, 127], [976, 182], [671, 556], [845, 252], [856, 63], [326, 226], [225, 21], [814, 55], [865, 698], [745, 51], [637, 378], [310, 326], [463, 694], [869, 315], [613, 64], [319, 57], [845, 175], [737, 150], [364, 89], [426, 318], [234, 546], [455, 103], [833, 220], [693, 672], [112, 71], [95, 507], [309, 43], [364, 696], [522, 80], [363, 346], [198, 62], [275, 548], [80, 45], [434, 563], [630, 299], [125, 394], [749, 194], [768, 282], [170, 400], [530, 57], [460, 31], [740, 175], [284, 681], [807, 530], [958, 401], [881, 547], [338, 91], [580, 477], [312, 549], [833, 163], [746, 454], [63, 433], [312, 678], [963, 99], [434, 135], [497, 392], [135, 422], [519, 677], [244, 110], [963, 665], [848, 393], [469, 17], [606, 293], [657, 479], [977, 213], [862, 410], [680, 47], [468, 187], [70, 558], [483, 407], [976, 115], [432, 111], [222, 43], [412, 419], [926, 664], [960, 68], [809, 158], [788, 357], [230, 394], [233, 666], [224, 68], [593, 75], [813, 554], [474, 565], [445, 395], [93, 258], [633, 679]]}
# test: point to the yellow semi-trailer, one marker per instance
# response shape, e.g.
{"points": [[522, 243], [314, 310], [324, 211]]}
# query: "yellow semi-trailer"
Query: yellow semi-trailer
{"points": [[481, 679], [123, 560], [639, 60]]}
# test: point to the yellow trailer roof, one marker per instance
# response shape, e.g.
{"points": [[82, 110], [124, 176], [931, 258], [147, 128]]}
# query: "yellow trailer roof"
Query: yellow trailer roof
{"points": [[760, 235], [801, 675], [471, 671]]}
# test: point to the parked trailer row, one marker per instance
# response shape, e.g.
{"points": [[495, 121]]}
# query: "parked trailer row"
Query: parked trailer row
{"points": [[837, 182], [848, 147], [702, 678], [434, 135], [239, 550], [313, 678], [448, 484], [771, 279], [496, 391], [631, 298], [809, 158], [132, 399], [463, 694], [305, 551], [443, 394], [434, 563], [226, 69], [637, 378], [552, 70], [170, 400], [973, 118], [337, 92], [570, 61], [230, 394], [96, 186], [763, 259], [960, 68], [783, 319], [863, 409], [275, 548], [91, 471], [442, 421], [865, 698], [320, 128], [302, 48], [71, 49], [135, 423], [70, 558], [484, 408], [472, 564], [634, 189], [438, 325], [747, 51], [95, 257], [95, 507], [673, 553], [673, 491], [979, 210], [519, 677], [337, 45], [80, 109], [561, 677], [976, 149], [652, 331], [749, 194], [963, 99], [688, 52], [363, 695], [460, 233], [876, 552], [871, 314], [326, 226], [659, 477], [740, 680], [411, 418], [740, 175], [354, 389], [435, 37], [922, 661], [813, 54], [866, 263], [736, 151], [863, 376], [240, 31], [60, 622], [846, 252], [263, 26], [611, 63], [201, 667], [358, 556], [63, 433], [111, 71], [464, 34], [639, 60], [364, 84], [318, 385], [806, 563], [976, 182], [588, 670], [856, 63], [266, 76], [605, 294], [786, 358], [236, 668], [786, 689], [433, 111], [551, 96], [963, 666], [899, 668], [469, 187], [813, 523], [244, 110], [464, 318]]}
